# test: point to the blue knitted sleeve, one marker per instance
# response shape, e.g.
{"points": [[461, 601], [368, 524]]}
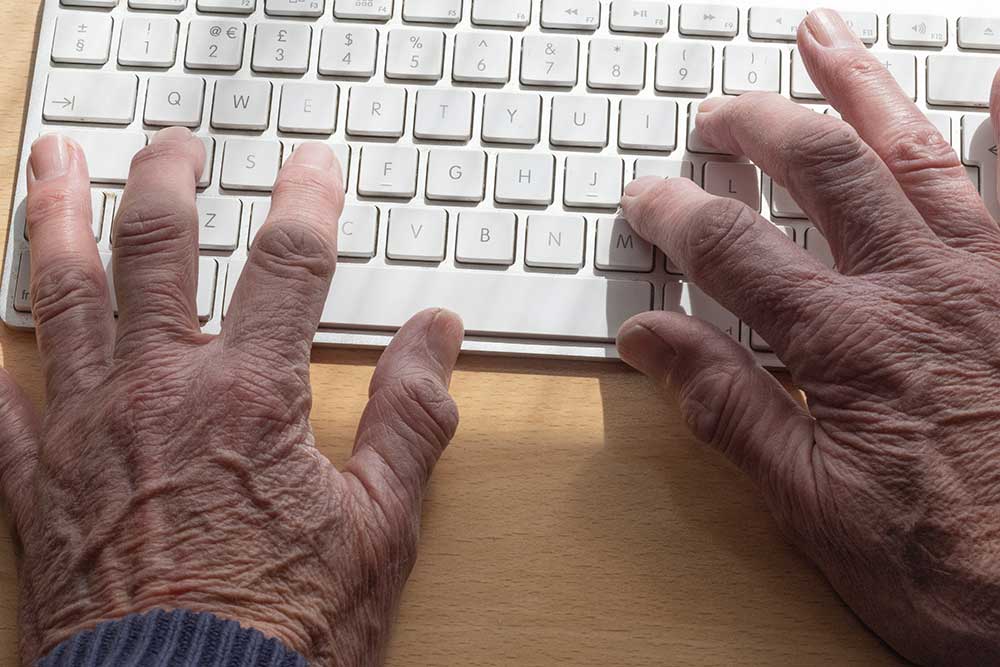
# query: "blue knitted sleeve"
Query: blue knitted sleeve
{"points": [[171, 639]]}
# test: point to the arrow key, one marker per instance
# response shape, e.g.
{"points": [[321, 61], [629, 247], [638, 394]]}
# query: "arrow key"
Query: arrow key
{"points": [[72, 96]]}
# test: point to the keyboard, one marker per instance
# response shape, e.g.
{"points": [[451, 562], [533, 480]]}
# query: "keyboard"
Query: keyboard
{"points": [[485, 143]]}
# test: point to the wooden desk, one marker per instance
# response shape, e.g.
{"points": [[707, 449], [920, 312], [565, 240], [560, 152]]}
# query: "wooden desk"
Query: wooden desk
{"points": [[572, 521]]}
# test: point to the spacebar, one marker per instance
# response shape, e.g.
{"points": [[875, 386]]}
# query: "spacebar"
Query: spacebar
{"points": [[490, 304]]}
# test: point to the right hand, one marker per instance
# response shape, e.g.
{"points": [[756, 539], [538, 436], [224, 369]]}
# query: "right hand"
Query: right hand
{"points": [[890, 480]]}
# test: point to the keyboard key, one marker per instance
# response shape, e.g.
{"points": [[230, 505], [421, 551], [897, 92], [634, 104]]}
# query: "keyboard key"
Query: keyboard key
{"points": [[82, 37], [482, 57], [902, 66], [549, 60], [695, 144], [735, 180], [979, 33], [415, 54], [304, 8], [348, 51], [524, 178], [456, 175], [158, 5], [688, 298], [803, 87], [751, 69], [979, 149], [942, 122], [444, 114], [512, 118], [174, 100], [918, 30], [782, 204], [510, 13], [358, 232], [579, 120], [593, 181], [664, 168], [241, 105], [555, 241], [282, 48], [309, 108], [376, 111], [22, 286], [206, 171], [388, 171], [148, 42], [216, 45], [960, 80], [775, 23], [432, 11], [818, 247], [571, 14], [643, 16], [250, 164], [486, 237], [617, 64], [417, 235], [648, 125], [619, 248], [218, 223], [864, 25], [109, 154], [101, 205], [227, 6], [73, 96], [684, 68], [709, 20], [366, 10], [97, 4]]}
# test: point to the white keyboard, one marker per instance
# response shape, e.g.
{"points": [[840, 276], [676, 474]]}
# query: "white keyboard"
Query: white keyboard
{"points": [[485, 142]]}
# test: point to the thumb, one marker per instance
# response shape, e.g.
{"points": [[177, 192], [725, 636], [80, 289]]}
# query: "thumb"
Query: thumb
{"points": [[18, 450]]}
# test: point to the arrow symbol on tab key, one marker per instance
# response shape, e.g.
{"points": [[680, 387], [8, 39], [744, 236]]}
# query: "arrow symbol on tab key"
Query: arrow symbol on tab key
{"points": [[66, 102]]}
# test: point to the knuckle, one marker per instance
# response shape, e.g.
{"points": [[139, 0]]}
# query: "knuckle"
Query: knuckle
{"points": [[709, 401], [715, 231], [427, 408], [815, 145], [64, 287], [53, 203], [150, 222], [162, 151], [294, 248], [919, 151]]}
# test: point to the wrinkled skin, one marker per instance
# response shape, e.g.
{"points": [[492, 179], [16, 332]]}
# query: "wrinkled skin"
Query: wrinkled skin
{"points": [[176, 470], [890, 480]]}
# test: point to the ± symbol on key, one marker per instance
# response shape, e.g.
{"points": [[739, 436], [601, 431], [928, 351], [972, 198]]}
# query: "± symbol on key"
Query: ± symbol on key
{"points": [[70, 102]]}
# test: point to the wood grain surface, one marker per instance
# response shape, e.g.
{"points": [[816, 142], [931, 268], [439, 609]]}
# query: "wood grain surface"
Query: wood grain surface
{"points": [[573, 521]]}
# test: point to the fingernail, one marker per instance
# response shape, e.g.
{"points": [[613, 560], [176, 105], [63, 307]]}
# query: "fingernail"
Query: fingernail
{"points": [[171, 134], [644, 351], [444, 338], [49, 158], [640, 185], [829, 29], [313, 154], [710, 105]]}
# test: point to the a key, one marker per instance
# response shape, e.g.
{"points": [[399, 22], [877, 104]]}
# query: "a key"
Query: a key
{"points": [[158, 5], [524, 178], [684, 68], [82, 37], [579, 120], [751, 69], [647, 125], [979, 33], [304, 8], [444, 114], [348, 51], [227, 6], [486, 237], [72, 96], [358, 231], [642, 16], [571, 14], [109, 154], [918, 30], [281, 47], [482, 57], [206, 171], [456, 175], [617, 64], [979, 149], [775, 23], [148, 42], [415, 54], [688, 298], [663, 168], [376, 111], [365, 10], [388, 171], [417, 234], [593, 181], [618, 248], [803, 87], [218, 223], [902, 66], [960, 80], [549, 60], [709, 20], [250, 164], [174, 100], [309, 108], [215, 44], [782, 203], [512, 118], [510, 13], [819, 247], [241, 105], [555, 241], [735, 180], [432, 11]]}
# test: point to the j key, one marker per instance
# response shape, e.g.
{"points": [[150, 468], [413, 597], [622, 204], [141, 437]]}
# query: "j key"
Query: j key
{"points": [[709, 20], [415, 54], [640, 16], [512, 118], [751, 69], [486, 237], [979, 33], [456, 175], [525, 178], [571, 14], [348, 51], [250, 164], [148, 42], [688, 298], [555, 242], [444, 114], [648, 125], [82, 37], [309, 108], [376, 111], [417, 235], [174, 100], [549, 60], [432, 11], [482, 57], [282, 48], [218, 223], [684, 68], [782, 203], [593, 181], [619, 248], [366, 10], [918, 30], [617, 64], [90, 97], [109, 154], [960, 80], [771, 23], [509, 13], [663, 168], [215, 45], [579, 120], [227, 6], [241, 105], [388, 171], [306, 8], [734, 180]]}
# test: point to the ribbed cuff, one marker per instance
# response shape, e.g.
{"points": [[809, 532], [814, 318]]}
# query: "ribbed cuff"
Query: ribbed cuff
{"points": [[171, 639]]}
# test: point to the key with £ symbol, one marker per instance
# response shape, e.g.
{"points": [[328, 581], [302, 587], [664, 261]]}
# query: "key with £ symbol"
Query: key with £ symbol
{"points": [[281, 47]]}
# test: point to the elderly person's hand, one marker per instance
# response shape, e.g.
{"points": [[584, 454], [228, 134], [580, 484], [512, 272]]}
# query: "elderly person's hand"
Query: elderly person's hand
{"points": [[890, 481], [174, 470]]}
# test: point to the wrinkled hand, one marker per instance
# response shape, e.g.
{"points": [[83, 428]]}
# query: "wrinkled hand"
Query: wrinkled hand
{"points": [[176, 470], [890, 481]]}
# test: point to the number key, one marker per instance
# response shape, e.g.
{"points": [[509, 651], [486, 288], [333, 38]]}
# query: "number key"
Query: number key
{"points": [[215, 45], [684, 68], [549, 60], [348, 51], [617, 64], [281, 47], [482, 57], [415, 54], [751, 68]]}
